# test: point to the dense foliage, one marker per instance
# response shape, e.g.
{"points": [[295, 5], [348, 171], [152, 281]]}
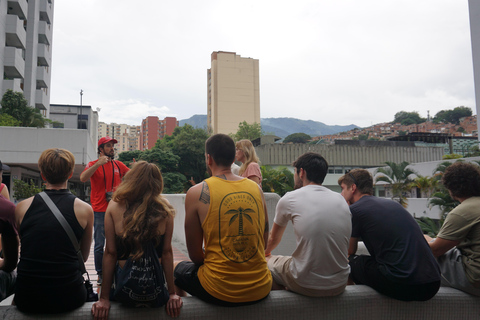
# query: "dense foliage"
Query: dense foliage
{"points": [[452, 116], [278, 180], [399, 177], [15, 105], [299, 137], [248, 131], [406, 118]]}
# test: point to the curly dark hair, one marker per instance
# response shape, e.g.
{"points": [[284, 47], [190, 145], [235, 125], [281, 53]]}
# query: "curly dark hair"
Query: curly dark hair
{"points": [[462, 179]]}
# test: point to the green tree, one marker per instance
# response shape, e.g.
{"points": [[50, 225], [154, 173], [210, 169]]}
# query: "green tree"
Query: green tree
{"points": [[188, 144], [398, 176], [441, 197], [23, 190], [297, 138], [278, 180], [429, 226], [165, 160], [127, 156], [173, 182], [473, 152], [7, 120], [427, 185], [15, 105], [406, 118], [248, 131], [452, 116]]}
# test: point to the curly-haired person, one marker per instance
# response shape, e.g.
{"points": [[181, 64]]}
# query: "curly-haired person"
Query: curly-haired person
{"points": [[457, 246]]}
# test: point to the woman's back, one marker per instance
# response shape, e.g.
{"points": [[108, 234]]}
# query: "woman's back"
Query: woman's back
{"points": [[49, 277]]}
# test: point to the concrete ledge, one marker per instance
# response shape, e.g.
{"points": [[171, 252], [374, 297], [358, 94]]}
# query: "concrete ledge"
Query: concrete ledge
{"points": [[357, 302]]}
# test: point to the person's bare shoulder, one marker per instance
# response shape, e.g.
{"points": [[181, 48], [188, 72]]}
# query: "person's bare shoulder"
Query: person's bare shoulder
{"points": [[21, 209]]}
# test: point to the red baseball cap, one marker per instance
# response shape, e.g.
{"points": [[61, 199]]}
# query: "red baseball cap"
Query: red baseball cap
{"points": [[106, 139]]}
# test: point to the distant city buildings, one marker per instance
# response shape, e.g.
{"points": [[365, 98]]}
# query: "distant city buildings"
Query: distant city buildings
{"points": [[26, 50], [142, 137], [233, 92], [153, 129]]}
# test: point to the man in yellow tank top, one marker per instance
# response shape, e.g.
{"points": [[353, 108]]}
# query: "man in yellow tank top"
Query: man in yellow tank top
{"points": [[228, 215]]}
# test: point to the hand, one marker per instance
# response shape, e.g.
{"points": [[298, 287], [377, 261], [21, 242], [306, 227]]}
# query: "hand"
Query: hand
{"points": [[173, 305], [103, 160], [100, 309]]}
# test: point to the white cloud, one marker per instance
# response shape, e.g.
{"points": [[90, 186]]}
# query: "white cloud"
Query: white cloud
{"points": [[338, 62]]}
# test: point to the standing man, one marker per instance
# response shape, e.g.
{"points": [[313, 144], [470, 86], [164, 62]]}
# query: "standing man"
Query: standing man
{"points": [[457, 246], [321, 221], [227, 214], [105, 175], [400, 264]]}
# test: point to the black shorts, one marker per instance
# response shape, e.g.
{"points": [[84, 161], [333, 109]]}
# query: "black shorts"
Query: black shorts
{"points": [[186, 279], [366, 270]]}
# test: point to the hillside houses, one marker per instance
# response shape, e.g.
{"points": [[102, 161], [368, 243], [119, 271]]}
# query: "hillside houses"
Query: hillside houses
{"points": [[386, 130]]}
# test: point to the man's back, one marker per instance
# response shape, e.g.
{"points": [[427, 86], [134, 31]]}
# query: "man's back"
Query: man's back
{"points": [[393, 237], [234, 267], [322, 225]]}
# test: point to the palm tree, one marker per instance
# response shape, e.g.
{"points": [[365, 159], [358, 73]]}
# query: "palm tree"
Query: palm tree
{"points": [[429, 226], [398, 176], [239, 244], [441, 197], [426, 184]]}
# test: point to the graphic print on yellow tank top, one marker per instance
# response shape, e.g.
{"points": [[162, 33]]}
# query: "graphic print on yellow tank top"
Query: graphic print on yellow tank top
{"points": [[239, 236]]}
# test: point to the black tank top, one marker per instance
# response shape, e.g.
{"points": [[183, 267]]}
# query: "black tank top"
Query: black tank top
{"points": [[48, 258]]}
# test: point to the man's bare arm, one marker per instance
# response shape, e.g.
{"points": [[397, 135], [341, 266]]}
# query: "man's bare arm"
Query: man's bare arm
{"points": [[275, 238], [87, 174], [193, 228], [439, 246], [352, 246]]}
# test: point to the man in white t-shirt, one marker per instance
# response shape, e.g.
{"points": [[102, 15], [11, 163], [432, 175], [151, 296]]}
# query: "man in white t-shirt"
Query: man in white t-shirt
{"points": [[322, 224]]}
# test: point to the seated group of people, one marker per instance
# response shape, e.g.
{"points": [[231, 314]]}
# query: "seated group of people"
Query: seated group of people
{"points": [[229, 241]]}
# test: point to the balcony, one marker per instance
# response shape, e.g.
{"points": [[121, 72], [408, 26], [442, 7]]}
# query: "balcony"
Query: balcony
{"points": [[43, 55], [14, 64], [44, 32], [15, 34], [41, 99], [12, 84], [18, 8], [42, 77], [46, 11]]}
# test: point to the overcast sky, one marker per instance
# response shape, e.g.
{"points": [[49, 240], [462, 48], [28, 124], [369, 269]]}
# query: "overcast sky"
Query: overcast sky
{"points": [[339, 62]]}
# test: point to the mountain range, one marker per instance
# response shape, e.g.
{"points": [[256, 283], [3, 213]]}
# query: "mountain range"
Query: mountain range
{"points": [[281, 127]]}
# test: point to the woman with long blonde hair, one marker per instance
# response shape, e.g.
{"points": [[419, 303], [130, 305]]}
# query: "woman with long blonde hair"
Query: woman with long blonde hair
{"points": [[245, 153], [137, 216]]}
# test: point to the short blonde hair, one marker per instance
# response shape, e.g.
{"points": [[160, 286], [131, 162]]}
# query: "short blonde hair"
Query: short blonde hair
{"points": [[56, 165]]}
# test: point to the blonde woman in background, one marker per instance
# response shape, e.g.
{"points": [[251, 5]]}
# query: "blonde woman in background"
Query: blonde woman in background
{"points": [[245, 153]]}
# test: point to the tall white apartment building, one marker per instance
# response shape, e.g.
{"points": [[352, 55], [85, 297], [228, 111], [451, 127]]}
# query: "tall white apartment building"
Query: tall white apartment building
{"points": [[233, 92], [26, 49]]}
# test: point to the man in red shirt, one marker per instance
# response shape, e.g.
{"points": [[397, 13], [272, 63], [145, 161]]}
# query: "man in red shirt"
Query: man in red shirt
{"points": [[105, 175]]}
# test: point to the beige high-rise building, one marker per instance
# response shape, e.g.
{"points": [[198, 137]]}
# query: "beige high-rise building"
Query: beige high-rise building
{"points": [[233, 92]]}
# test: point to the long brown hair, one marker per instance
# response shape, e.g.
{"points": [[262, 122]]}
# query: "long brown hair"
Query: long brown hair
{"points": [[249, 152], [140, 191]]}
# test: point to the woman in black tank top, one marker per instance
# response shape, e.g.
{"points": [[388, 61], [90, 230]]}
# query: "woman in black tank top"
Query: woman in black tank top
{"points": [[49, 278], [138, 215]]}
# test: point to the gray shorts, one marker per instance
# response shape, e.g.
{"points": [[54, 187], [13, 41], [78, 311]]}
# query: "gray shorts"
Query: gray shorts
{"points": [[453, 272], [280, 268]]}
